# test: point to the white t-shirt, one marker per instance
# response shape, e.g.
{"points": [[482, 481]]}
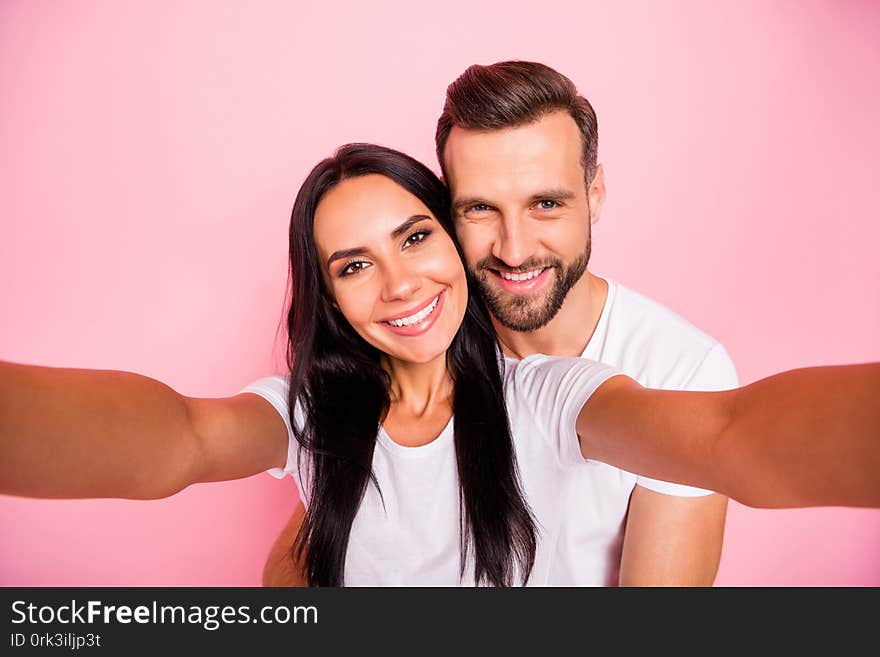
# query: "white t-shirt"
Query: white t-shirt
{"points": [[637, 336], [414, 538], [659, 349]]}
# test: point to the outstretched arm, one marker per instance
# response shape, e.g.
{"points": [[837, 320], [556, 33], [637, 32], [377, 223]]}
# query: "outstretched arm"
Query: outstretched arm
{"points": [[808, 437], [90, 433]]}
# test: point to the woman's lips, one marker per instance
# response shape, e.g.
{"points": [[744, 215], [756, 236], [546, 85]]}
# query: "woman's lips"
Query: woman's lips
{"points": [[425, 317]]}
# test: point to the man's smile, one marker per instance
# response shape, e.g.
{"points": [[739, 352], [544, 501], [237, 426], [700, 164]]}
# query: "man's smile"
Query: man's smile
{"points": [[522, 282]]}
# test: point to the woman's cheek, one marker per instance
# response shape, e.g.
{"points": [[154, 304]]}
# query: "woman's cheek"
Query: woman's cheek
{"points": [[446, 265], [356, 301]]}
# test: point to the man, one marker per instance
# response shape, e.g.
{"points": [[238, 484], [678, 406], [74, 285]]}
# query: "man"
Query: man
{"points": [[517, 146]]}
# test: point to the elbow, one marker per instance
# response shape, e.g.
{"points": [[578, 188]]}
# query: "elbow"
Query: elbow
{"points": [[157, 491], [732, 465], [179, 468], [155, 488], [746, 474]]}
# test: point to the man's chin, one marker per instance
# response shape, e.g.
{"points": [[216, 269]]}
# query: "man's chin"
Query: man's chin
{"points": [[521, 314]]}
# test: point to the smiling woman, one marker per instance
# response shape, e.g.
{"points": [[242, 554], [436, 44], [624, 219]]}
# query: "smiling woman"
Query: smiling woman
{"points": [[386, 336], [421, 455], [392, 269]]}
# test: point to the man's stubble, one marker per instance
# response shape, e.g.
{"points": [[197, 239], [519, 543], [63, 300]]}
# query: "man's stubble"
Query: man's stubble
{"points": [[525, 312]]}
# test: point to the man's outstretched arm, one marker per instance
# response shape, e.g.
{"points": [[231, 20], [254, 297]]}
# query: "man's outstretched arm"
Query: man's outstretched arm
{"points": [[808, 437]]}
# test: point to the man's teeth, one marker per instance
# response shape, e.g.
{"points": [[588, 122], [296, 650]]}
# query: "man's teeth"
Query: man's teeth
{"points": [[525, 276], [418, 317]]}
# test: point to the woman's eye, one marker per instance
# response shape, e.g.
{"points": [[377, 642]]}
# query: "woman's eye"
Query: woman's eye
{"points": [[415, 238], [352, 268]]}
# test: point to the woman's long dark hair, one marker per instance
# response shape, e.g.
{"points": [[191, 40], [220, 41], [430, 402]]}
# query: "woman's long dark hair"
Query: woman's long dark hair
{"points": [[343, 390]]}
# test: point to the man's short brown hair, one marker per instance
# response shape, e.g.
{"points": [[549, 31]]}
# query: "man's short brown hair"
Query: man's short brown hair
{"points": [[511, 94]]}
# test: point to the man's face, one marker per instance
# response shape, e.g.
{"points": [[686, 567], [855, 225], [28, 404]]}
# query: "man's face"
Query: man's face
{"points": [[522, 214]]}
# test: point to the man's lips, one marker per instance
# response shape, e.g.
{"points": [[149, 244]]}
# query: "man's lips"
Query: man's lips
{"points": [[522, 282]]}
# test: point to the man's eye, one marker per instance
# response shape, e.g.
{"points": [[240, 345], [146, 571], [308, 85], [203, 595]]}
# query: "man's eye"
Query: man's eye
{"points": [[547, 204], [352, 268], [416, 237], [478, 207]]}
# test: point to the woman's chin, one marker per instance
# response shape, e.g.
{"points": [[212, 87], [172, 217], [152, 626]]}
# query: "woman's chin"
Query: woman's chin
{"points": [[417, 356], [418, 349]]}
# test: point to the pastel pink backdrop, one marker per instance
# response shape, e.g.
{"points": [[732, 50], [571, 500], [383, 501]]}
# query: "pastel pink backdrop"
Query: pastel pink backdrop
{"points": [[151, 152]]}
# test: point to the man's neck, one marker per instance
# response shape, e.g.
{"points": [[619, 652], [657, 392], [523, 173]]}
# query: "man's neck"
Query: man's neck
{"points": [[569, 332]]}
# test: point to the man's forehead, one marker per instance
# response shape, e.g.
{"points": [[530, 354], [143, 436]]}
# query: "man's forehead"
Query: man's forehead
{"points": [[518, 160]]}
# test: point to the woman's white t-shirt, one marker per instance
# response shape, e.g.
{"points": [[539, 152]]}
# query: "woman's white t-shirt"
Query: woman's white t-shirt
{"points": [[413, 539]]}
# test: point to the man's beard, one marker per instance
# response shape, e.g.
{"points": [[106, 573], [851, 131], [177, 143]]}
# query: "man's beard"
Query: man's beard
{"points": [[529, 312]]}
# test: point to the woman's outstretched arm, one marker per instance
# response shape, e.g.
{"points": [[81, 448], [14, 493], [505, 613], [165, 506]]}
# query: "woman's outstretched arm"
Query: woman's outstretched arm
{"points": [[808, 437], [72, 433]]}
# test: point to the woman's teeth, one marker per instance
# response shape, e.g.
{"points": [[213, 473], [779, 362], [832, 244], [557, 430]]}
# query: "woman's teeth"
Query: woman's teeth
{"points": [[525, 276], [417, 317]]}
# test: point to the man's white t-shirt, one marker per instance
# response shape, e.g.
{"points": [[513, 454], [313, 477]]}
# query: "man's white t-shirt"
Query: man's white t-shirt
{"points": [[581, 505], [659, 349], [410, 535]]}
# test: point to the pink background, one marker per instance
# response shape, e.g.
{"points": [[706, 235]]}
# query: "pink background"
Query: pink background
{"points": [[151, 151]]}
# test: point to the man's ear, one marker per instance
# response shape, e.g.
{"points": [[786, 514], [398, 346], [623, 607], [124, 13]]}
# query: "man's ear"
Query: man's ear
{"points": [[596, 194]]}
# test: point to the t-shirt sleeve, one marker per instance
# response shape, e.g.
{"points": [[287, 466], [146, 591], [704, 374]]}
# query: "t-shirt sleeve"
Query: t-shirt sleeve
{"points": [[274, 389], [553, 391], [716, 372]]}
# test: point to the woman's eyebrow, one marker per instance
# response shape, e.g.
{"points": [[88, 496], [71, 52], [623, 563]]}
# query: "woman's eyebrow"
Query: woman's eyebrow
{"points": [[406, 225], [344, 254]]}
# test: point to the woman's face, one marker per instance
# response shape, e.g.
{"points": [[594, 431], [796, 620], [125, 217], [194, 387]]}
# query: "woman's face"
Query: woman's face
{"points": [[391, 269]]}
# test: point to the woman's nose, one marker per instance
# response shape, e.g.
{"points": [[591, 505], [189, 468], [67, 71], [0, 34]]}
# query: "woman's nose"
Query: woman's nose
{"points": [[401, 282]]}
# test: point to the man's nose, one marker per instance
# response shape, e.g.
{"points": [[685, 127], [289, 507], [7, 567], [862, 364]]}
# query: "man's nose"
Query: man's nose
{"points": [[514, 243], [401, 281]]}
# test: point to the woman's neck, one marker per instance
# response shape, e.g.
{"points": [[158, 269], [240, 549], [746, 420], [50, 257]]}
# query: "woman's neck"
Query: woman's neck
{"points": [[419, 386], [421, 401]]}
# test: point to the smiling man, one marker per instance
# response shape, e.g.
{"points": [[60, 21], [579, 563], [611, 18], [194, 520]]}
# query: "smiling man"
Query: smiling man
{"points": [[518, 149]]}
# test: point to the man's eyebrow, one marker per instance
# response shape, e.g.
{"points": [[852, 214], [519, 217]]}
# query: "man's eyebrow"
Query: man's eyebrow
{"points": [[459, 203], [344, 254], [553, 194]]}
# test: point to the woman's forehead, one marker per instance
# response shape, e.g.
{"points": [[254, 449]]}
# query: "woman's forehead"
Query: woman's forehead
{"points": [[363, 210]]}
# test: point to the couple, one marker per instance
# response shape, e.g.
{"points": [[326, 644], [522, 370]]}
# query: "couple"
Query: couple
{"points": [[422, 455]]}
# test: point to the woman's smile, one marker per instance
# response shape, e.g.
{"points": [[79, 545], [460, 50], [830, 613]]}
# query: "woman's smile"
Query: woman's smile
{"points": [[392, 269], [418, 322]]}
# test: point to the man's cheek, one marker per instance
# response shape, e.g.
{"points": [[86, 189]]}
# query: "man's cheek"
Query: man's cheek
{"points": [[474, 253]]}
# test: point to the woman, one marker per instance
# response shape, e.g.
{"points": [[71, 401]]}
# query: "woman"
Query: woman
{"points": [[395, 402]]}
